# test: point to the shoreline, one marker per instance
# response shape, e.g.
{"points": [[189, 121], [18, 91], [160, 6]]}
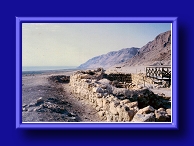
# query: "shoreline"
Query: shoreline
{"points": [[48, 71]]}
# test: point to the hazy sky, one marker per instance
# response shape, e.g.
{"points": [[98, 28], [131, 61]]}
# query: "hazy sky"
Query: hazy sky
{"points": [[71, 44]]}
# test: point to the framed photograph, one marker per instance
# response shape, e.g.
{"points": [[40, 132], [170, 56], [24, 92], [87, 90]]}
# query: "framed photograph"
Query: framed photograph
{"points": [[96, 73]]}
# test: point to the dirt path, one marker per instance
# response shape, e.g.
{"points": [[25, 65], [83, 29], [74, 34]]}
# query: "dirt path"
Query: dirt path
{"points": [[56, 95]]}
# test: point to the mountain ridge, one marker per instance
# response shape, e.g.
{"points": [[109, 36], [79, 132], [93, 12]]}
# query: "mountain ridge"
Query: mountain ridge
{"points": [[111, 58], [155, 52]]}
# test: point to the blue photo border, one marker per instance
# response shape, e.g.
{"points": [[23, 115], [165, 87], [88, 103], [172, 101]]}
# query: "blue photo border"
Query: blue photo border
{"points": [[171, 125]]}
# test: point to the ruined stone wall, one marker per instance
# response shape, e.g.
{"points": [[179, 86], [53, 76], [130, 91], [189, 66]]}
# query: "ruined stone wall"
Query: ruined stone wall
{"points": [[113, 104], [120, 77], [136, 79], [140, 78], [102, 96]]}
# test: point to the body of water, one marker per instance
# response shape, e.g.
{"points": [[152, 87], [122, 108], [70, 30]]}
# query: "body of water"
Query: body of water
{"points": [[46, 68]]}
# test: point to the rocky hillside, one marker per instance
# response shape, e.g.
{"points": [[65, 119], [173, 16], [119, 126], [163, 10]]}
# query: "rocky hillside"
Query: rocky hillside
{"points": [[153, 53], [111, 58]]}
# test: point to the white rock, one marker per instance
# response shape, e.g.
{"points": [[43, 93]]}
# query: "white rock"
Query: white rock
{"points": [[145, 110], [168, 111], [99, 102], [85, 76], [161, 115], [161, 109], [101, 113], [123, 102], [105, 104], [132, 104], [113, 108], [144, 118]]}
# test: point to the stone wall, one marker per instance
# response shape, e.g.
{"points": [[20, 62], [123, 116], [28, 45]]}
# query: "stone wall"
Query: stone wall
{"points": [[102, 96], [120, 77], [140, 78], [122, 80], [112, 104]]}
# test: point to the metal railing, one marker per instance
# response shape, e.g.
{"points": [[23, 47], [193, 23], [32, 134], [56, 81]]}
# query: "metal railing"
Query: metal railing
{"points": [[157, 72]]}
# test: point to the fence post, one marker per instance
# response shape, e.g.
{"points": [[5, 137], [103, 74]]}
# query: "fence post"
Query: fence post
{"points": [[144, 81]]}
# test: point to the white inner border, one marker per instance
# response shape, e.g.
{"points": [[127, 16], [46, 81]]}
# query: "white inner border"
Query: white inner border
{"points": [[122, 122]]}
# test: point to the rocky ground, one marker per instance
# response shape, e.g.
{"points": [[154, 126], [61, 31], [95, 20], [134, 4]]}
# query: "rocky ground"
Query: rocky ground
{"points": [[44, 100], [86, 96]]}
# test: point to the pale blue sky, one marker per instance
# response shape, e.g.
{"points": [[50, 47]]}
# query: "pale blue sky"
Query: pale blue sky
{"points": [[71, 44]]}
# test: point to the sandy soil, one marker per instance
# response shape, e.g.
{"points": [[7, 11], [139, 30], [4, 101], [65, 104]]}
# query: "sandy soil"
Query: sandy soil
{"points": [[127, 69], [38, 85]]}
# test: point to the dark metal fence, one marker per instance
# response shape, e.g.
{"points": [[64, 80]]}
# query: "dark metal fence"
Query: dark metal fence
{"points": [[158, 72]]}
